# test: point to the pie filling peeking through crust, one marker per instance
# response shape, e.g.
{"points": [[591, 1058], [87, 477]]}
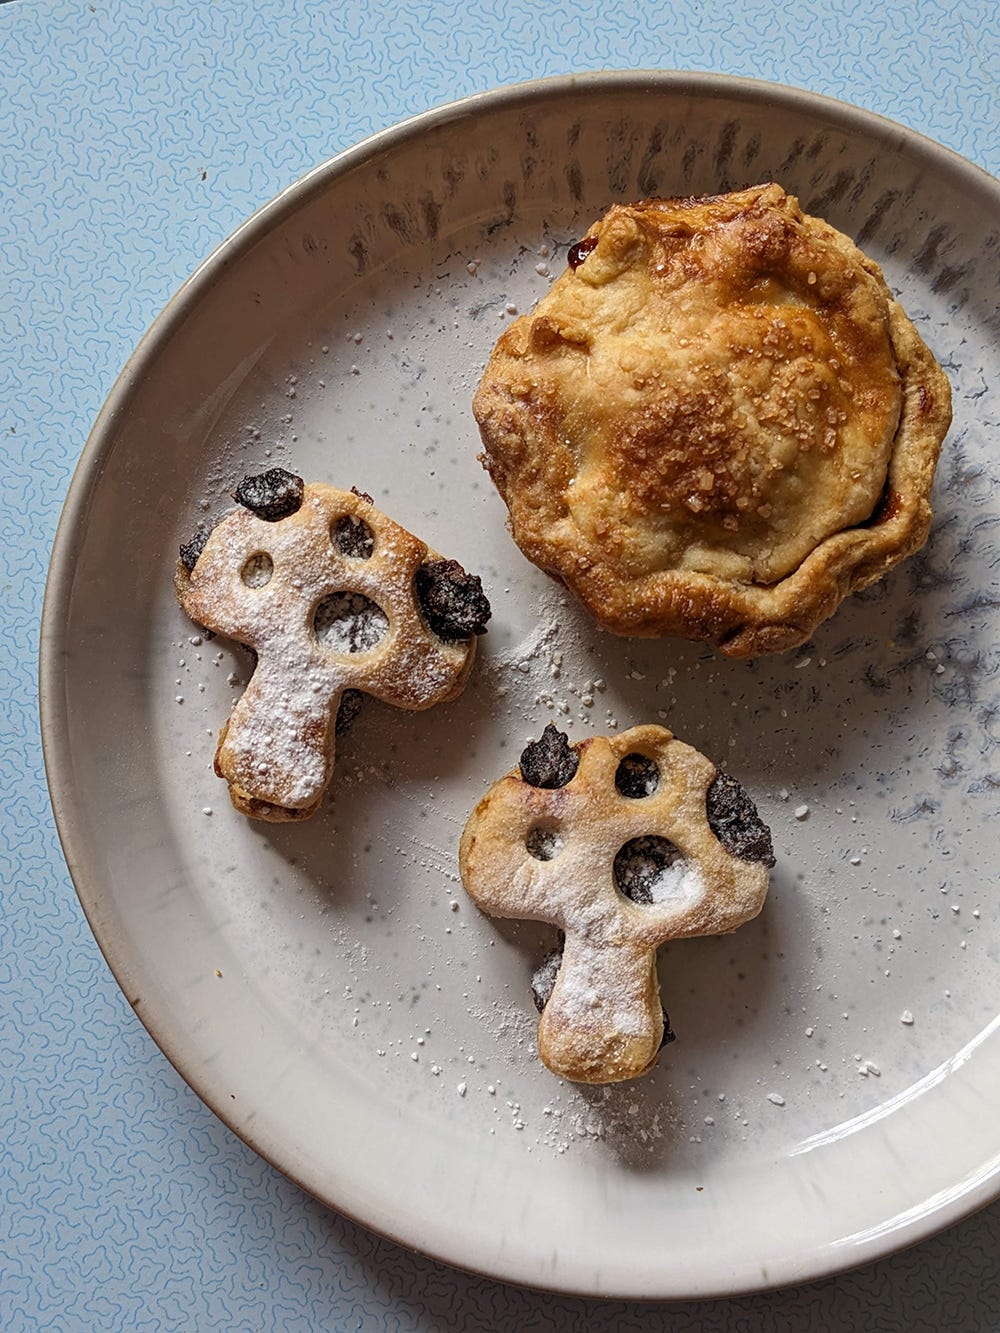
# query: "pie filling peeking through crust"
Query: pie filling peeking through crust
{"points": [[717, 423]]}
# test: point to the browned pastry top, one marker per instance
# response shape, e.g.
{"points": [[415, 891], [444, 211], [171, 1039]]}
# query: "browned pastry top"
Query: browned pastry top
{"points": [[717, 423]]}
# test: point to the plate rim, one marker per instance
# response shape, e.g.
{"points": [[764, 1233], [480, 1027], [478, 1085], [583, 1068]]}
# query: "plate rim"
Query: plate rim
{"points": [[817, 1262]]}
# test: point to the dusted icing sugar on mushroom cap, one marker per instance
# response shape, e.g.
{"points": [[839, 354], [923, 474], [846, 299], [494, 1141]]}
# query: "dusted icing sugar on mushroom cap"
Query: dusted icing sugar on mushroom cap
{"points": [[621, 855], [327, 592]]}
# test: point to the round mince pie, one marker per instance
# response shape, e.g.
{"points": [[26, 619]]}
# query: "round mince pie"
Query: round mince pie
{"points": [[717, 423]]}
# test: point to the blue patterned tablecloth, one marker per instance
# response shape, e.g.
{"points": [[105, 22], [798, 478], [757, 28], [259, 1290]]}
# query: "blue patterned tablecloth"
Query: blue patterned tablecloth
{"points": [[133, 137]]}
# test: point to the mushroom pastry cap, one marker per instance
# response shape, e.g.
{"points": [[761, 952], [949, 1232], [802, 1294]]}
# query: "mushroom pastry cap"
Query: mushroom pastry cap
{"points": [[717, 423]]}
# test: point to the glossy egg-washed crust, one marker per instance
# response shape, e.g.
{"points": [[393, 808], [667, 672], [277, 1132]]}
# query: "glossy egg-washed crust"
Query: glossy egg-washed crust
{"points": [[718, 424]]}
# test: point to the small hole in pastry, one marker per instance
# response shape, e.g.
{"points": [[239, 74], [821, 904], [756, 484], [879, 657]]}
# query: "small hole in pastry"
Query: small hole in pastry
{"points": [[348, 622], [258, 570], [650, 869], [352, 536], [637, 776], [543, 843]]}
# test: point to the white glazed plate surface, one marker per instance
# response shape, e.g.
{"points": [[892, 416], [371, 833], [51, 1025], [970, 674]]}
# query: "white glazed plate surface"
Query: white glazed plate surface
{"points": [[327, 988]]}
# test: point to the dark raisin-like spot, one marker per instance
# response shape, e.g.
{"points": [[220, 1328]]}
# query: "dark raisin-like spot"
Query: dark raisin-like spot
{"points": [[271, 495], [362, 495], [637, 776], [640, 863], [350, 707], [549, 762], [669, 1034], [453, 602], [543, 978], [190, 551], [733, 818], [352, 536], [579, 251]]}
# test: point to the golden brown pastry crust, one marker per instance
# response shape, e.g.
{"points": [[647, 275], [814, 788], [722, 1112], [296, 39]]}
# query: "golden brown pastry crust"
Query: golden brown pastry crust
{"points": [[603, 1022], [718, 424]]}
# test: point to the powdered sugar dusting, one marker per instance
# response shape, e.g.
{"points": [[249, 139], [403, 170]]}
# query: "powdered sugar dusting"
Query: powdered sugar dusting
{"points": [[683, 880], [281, 752], [333, 614], [347, 622], [621, 1118]]}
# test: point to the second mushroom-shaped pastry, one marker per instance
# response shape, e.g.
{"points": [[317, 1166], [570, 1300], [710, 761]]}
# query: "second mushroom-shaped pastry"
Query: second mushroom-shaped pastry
{"points": [[332, 596], [623, 842]]}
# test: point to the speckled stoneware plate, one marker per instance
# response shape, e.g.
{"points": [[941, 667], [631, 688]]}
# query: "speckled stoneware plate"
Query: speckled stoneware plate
{"points": [[327, 988]]}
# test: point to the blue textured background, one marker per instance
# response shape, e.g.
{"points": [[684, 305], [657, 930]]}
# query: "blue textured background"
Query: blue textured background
{"points": [[135, 136]]}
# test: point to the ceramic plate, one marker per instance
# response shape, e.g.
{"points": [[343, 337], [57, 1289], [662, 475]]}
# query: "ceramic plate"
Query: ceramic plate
{"points": [[327, 988]]}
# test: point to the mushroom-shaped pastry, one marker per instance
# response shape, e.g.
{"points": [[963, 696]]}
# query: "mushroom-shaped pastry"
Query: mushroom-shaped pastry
{"points": [[332, 596], [623, 842]]}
